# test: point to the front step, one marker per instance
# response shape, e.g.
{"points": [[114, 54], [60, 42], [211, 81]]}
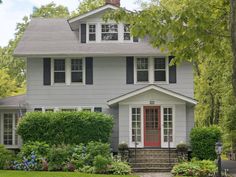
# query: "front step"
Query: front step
{"points": [[152, 160]]}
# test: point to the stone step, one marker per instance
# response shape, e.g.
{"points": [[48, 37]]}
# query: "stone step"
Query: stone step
{"points": [[146, 170], [152, 156], [153, 160], [152, 165], [152, 152]]}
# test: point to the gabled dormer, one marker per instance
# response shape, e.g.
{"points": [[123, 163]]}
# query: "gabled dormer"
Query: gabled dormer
{"points": [[93, 29]]}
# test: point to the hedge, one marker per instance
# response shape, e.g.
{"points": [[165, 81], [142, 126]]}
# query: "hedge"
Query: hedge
{"points": [[203, 142], [65, 127]]}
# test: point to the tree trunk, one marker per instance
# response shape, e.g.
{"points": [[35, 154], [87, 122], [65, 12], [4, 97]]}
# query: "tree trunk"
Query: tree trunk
{"points": [[233, 38]]}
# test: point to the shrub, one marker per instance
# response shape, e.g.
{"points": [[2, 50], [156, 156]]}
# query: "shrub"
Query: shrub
{"points": [[101, 163], [5, 157], [87, 169], [119, 168], [182, 147], [65, 127], [203, 142], [59, 157], [195, 168], [40, 149]]}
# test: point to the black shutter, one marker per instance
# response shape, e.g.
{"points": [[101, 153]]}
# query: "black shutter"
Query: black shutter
{"points": [[83, 33], [89, 70], [46, 71], [135, 39], [172, 72], [129, 70]]}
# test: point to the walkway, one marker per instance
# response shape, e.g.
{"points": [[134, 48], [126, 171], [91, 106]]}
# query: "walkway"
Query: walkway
{"points": [[230, 165], [154, 174]]}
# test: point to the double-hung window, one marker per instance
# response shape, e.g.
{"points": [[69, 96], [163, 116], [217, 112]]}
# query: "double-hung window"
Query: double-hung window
{"points": [[160, 69], [127, 35], [59, 71], [77, 70], [142, 70], [92, 32], [109, 32]]}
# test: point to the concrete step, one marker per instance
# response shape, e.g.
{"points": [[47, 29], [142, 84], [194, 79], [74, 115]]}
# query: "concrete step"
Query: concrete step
{"points": [[152, 165], [152, 152], [147, 170], [153, 160]]}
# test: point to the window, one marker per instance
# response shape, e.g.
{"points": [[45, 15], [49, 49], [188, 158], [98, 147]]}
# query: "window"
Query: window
{"points": [[92, 32], [76, 70], [142, 70], [87, 109], [109, 32], [168, 124], [136, 124], [160, 69], [38, 109], [49, 110], [127, 35], [97, 109], [59, 71], [69, 110], [10, 121]]}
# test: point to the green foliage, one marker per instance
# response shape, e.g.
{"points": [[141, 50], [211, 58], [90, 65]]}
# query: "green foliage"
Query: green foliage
{"points": [[87, 169], [86, 6], [58, 157], [7, 85], [119, 168], [40, 149], [195, 168], [101, 164], [65, 127], [203, 142], [5, 157], [182, 147], [51, 10]]}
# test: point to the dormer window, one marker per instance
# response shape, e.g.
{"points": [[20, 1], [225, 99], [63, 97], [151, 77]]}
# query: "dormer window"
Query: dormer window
{"points": [[92, 32], [127, 35], [109, 32]]}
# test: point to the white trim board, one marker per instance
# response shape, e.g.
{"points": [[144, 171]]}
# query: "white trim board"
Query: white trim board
{"points": [[151, 87]]}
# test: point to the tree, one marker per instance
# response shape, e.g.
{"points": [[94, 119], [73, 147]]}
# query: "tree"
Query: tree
{"points": [[7, 85], [51, 10], [233, 38], [86, 6]]}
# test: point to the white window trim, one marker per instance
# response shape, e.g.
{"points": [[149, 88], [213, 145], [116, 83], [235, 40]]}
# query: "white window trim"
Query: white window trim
{"points": [[118, 32], [131, 37], [67, 72], [165, 144], [96, 32], [13, 128], [132, 144], [151, 71]]}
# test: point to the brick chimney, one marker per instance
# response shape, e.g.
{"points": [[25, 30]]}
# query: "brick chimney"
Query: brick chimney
{"points": [[113, 2]]}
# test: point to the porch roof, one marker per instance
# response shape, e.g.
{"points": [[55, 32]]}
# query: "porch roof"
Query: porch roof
{"points": [[13, 101], [151, 87]]}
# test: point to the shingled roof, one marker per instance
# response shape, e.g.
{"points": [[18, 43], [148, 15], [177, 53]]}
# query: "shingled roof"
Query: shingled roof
{"points": [[13, 101], [54, 37]]}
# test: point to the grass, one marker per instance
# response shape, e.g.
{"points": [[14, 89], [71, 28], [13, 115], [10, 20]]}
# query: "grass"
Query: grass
{"points": [[51, 174]]}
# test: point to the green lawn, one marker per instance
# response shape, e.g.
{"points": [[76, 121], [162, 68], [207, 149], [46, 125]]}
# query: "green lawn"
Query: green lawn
{"points": [[51, 174]]}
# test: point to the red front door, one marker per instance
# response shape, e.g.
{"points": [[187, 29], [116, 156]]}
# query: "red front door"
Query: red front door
{"points": [[152, 126]]}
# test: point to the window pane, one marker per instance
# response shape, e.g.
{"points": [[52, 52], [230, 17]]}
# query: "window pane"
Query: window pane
{"points": [[92, 28], [168, 124], [38, 110], [8, 129], [142, 63], [59, 77], [97, 109], [160, 75], [109, 36], [76, 64], [136, 125], [76, 77], [59, 65], [160, 63], [68, 110], [142, 76], [112, 28], [92, 37], [126, 36]]}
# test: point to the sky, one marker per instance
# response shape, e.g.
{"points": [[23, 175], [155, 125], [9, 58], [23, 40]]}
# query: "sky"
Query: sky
{"points": [[12, 12]]}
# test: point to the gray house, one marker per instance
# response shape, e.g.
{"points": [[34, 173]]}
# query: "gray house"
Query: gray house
{"points": [[84, 63]]}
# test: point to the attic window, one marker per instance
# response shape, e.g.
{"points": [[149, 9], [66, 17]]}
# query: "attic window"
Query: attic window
{"points": [[92, 32], [109, 32], [127, 32]]}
